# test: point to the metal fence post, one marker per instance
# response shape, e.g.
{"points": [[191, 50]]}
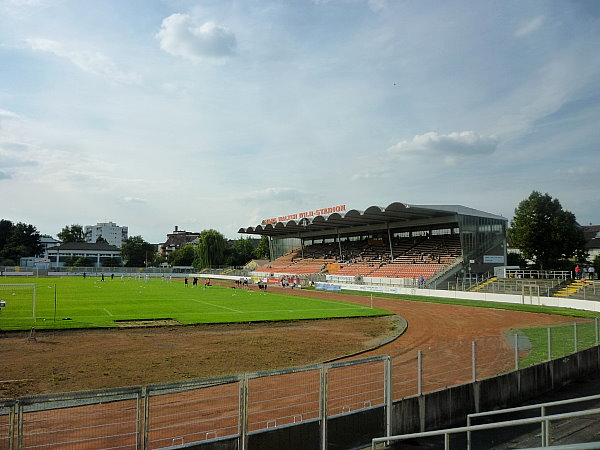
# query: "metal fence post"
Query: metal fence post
{"points": [[146, 417], [419, 372], [474, 361], [549, 343], [516, 351], [19, 425], [388, 395], [243, 417], [139, 428], [11, 426], [323, 405]]}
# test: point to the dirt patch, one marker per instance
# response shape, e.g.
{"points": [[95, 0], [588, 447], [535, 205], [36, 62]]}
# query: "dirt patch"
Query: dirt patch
{"points": [[61, 361], [146, 323]]}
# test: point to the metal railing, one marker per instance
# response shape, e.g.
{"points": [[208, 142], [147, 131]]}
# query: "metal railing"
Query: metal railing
{"points": [[545, 429], [386, 440]]}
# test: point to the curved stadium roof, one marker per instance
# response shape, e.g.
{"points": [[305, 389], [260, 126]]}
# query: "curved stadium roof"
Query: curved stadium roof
{"points": [[374, 215]]}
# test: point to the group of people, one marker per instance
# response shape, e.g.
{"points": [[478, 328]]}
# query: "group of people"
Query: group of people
{"points": [[195, 282], [243, 282], [581, 272], [289, 281]]}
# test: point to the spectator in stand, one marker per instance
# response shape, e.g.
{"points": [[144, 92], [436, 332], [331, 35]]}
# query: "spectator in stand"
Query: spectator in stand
{"points": [[578, 271], [591, 271]]}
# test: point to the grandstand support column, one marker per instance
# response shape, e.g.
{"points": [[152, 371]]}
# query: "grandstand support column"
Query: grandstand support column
{"points": [[304, 223], [387, 225], [337, 231], [270, 248]]}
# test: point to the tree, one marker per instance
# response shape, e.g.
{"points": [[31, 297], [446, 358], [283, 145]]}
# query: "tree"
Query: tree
{"points": [[6, 227], [18, 241], [111, 262], [262, 251], [183, 256], [136, 252], [544, 232], [73, 233], [210, 251], [83, 262], [241, 251], [101, 240]]}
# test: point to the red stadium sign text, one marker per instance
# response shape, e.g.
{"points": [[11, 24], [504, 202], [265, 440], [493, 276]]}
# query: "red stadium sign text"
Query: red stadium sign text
{"points": [[306, 214]]}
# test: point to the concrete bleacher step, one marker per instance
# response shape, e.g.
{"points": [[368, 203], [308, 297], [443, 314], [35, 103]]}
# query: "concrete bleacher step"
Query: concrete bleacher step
{"points": [[483, 284], [572, 288]]}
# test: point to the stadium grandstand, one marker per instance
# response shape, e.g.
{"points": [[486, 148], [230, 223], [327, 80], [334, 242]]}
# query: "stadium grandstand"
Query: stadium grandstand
{"points": [[400, 243]]}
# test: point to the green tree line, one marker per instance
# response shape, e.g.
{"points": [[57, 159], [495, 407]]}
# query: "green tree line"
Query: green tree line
{"points": [[546, 235]]}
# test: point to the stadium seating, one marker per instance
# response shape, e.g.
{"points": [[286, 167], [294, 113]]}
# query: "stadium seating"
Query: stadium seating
{"points": [[414, 257]]}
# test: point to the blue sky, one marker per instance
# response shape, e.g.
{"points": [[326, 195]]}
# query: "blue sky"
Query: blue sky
{"points": [[218, 113]]}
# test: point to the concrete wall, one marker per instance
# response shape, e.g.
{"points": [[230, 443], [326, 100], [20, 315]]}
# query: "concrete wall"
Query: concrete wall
{"points": [[572, 303]]}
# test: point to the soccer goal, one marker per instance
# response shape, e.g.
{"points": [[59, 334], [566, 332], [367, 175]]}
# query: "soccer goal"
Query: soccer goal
{"points": [[18, 301]]}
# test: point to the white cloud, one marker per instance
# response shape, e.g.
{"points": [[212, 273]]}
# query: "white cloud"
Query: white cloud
{"points": [[277, 194], [92, 62], [580, 171], [530, 26], [181, 36], [378, 5], [6, 116], [372, 174], [449, 146], [134, 200]]}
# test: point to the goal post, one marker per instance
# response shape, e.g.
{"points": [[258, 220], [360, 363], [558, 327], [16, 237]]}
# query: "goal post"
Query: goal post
{"points": [[18, 296]]}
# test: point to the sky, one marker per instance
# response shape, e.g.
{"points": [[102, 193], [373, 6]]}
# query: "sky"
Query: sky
{"points": [[221, 113]]}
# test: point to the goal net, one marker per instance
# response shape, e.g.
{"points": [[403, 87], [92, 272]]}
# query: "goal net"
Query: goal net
{"points": [[17, 306]]}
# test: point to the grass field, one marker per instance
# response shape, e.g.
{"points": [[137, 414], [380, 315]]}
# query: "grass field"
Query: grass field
{"points": [[562, 341], [74, 302]]}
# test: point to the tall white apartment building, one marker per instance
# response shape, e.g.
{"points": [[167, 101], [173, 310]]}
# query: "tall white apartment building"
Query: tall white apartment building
{"points": [[110, 231]]}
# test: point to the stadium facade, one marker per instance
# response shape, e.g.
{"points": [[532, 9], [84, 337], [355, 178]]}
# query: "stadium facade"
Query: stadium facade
{"points": [[482, 235]]}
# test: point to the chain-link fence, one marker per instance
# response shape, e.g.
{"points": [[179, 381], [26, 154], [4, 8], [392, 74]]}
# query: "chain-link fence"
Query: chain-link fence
{"points": [[233, 408]]}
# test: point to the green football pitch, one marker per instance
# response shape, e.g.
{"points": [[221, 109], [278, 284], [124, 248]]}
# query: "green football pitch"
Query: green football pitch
{"points": [[75, 302]]}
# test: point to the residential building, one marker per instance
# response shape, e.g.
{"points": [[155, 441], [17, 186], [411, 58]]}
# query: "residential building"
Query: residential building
{"points": [[114, 234], [97, 253], [176, 239], [592, 240]]}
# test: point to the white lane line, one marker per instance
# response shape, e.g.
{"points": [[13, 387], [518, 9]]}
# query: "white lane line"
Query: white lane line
{"points": [[219, 306]]}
